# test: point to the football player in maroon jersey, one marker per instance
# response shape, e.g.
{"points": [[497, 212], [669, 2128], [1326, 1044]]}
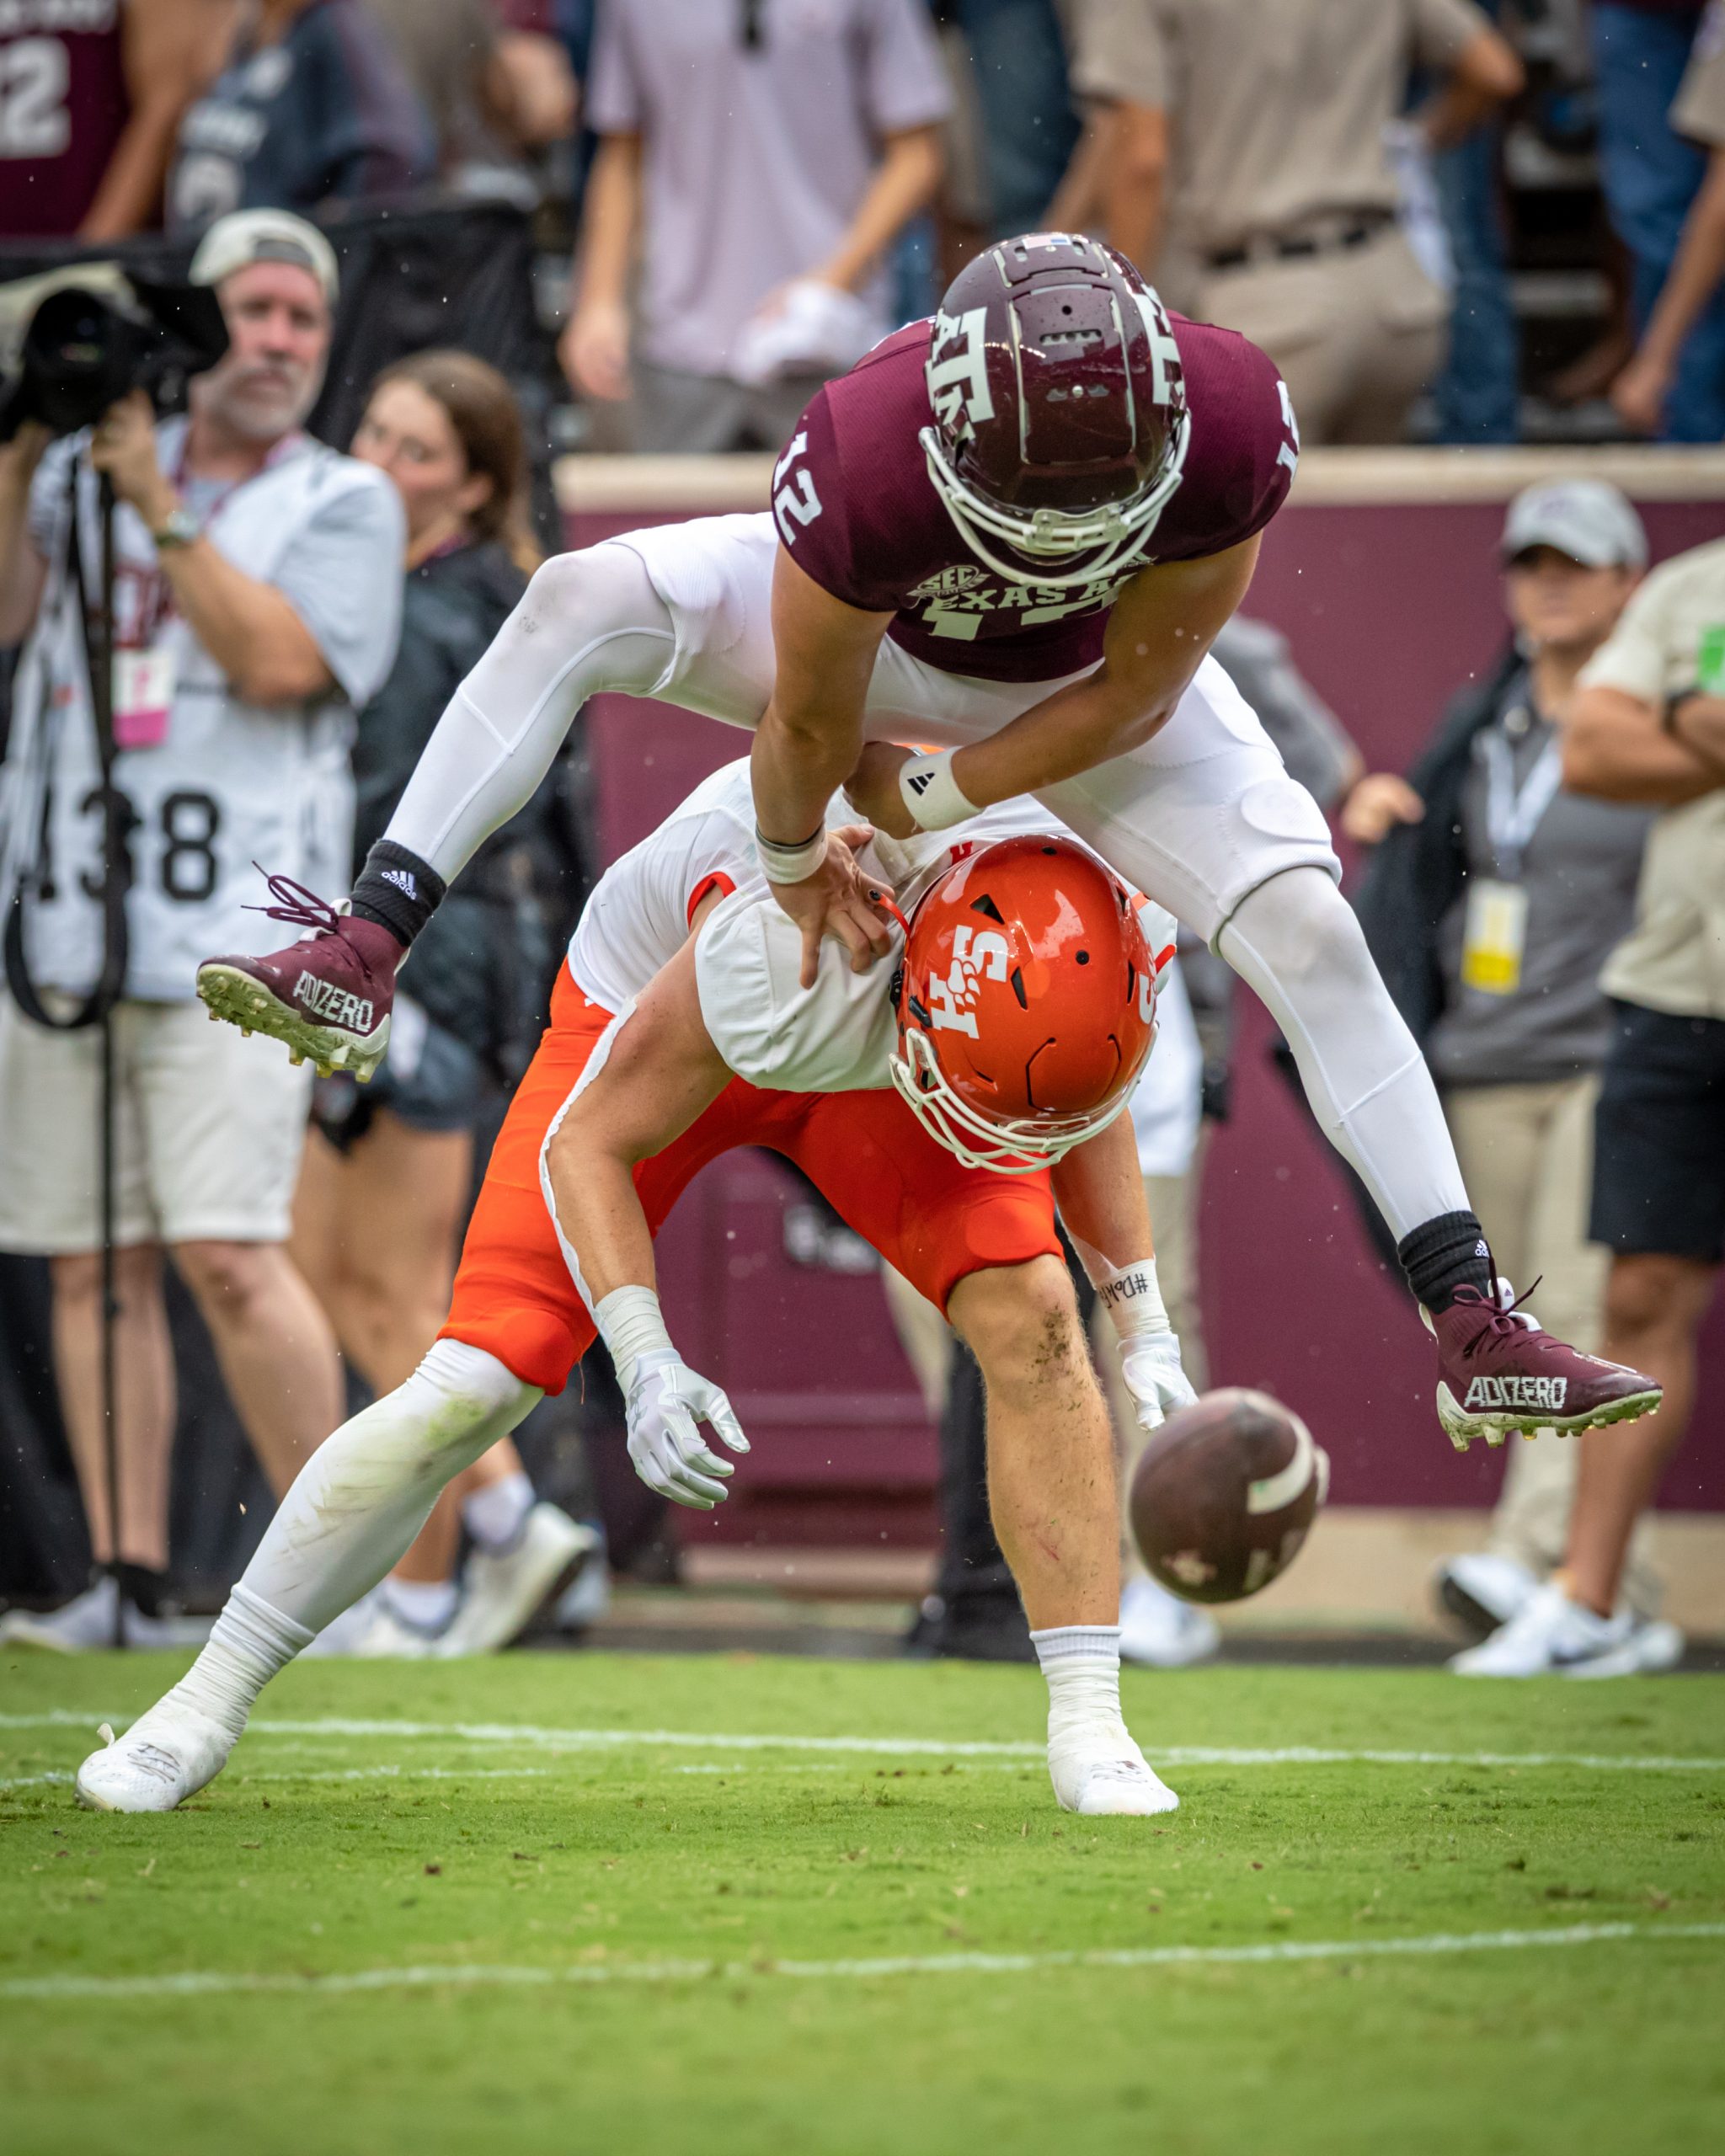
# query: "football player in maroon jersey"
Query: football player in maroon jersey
{"points": [[91, 93], [1015, 532]]}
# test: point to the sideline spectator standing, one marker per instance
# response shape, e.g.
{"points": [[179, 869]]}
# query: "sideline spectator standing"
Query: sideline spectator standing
{"points": [[1029, 130], [1648, 727], [765, 156], [311, 108], [389, 1169], [94, 91], [1487, 906], [258, 592], [490, 92], [1690, 295], [1651, 176], [1264, 128]]}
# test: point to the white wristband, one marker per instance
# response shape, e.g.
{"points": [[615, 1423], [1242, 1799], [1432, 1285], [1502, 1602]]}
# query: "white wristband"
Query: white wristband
{"points": [[631, 1325], [1133, 1299], [790, 864], [929, 791]]}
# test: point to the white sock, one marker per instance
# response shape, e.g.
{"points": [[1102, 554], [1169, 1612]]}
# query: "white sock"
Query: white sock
{"points": [[589, 621], [495, 1515], [248, 1643], [1081, 1663], [1295, 940], [363, 1495], [427, 1605]]}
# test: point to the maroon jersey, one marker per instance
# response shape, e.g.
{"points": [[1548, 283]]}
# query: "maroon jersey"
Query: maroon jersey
{"points": [[63, 105], [855, 506]]}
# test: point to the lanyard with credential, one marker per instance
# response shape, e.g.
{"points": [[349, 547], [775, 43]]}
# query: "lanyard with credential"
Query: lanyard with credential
{"points": [[1513, 813]]}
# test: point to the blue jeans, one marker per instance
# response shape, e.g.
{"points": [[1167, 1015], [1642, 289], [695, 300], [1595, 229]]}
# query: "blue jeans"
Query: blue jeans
{"points": [[1028, 125], [1478, 394], [1650, 176]]}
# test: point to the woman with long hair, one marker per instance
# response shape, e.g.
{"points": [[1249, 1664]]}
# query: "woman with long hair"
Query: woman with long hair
{"points": [[389, 1168]]}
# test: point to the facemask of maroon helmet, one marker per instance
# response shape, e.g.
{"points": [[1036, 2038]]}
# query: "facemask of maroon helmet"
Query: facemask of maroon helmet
{"points": [[1025, 1004], [1060, 425]]}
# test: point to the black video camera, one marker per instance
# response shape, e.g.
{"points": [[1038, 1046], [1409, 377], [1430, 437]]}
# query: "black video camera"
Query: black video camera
{"points": [[98, 333]]}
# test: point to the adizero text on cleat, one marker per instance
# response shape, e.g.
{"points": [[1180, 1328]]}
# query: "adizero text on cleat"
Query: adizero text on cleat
{"points": [[327, 997], [1499, 1371]]}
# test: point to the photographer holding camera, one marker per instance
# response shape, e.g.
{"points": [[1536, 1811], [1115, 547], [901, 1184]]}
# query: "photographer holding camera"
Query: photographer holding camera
{"points": [[254, 601]]}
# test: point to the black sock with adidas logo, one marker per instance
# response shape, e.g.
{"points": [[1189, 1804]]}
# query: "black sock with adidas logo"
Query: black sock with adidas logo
{"points": [[1443, 1255], [397, 891]]}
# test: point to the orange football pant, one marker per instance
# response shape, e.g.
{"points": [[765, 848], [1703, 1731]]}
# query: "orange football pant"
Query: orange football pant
{"points": [[929, 1216]]}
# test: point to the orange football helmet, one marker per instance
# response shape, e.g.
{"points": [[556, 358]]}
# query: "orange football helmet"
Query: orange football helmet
{"points": [[1025, 1004]]}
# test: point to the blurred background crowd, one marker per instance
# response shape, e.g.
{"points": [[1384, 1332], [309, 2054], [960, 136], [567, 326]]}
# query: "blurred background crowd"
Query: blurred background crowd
{"points": [[1449, 220], [653, 225]]}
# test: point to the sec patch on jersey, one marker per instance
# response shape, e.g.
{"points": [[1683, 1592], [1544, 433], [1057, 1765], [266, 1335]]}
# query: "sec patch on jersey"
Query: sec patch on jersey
{"points": [[1225, 1494]]}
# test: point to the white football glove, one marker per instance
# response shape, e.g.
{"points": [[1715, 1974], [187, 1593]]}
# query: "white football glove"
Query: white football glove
{"points": [[1150, 1364], [666, 1400]]}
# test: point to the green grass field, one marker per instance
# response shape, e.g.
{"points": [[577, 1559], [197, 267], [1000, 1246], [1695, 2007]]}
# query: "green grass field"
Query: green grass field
{"points": [[724, 1904]]}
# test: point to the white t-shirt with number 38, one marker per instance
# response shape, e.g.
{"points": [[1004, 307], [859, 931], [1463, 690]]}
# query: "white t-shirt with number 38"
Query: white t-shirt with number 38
{"points": [[215, 784]]}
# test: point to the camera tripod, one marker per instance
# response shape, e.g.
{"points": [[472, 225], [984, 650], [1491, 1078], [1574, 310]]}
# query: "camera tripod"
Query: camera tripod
{"points": [[96, 616]]}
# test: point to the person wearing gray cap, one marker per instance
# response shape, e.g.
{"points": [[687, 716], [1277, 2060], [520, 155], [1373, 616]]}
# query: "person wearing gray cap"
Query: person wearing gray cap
{"points": [[257, 599], [1491, 899]]}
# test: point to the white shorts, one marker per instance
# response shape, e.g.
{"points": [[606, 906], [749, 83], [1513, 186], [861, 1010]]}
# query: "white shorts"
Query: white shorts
{"points": [[1197, 819], [209, 1127], [834, 1037]]}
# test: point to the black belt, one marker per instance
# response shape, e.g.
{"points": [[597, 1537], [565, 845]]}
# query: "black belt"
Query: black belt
{"points": [[1301, 249]]}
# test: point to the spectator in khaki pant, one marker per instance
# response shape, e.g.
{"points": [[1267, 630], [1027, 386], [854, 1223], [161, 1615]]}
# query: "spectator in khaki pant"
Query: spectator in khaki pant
{"points": [[1256, 133], [1490, 903], [1648, 727]]}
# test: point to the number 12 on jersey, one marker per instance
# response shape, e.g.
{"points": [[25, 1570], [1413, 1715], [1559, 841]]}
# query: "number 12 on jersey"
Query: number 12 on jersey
{"points": [[793, 502]]}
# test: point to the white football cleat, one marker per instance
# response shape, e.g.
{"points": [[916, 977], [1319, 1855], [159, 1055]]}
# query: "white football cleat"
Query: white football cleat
{"points": [[167, 1755], [1099, 1771], [503, 1590], [1160, 1631], [1552, 1636]]}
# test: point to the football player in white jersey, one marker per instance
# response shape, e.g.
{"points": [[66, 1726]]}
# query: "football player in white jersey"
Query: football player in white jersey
{"points": [[256, 601], [943, 1116]]}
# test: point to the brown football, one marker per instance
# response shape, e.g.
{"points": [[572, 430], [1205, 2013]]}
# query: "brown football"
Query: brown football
{"points": [[1224, 1494]]}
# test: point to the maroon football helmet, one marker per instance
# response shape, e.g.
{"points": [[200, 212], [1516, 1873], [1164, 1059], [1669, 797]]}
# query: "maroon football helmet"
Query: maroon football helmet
{"points": [[1060, 408]]}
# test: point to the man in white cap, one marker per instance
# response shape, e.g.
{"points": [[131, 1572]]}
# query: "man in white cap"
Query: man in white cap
{"points": [[256, 605], [1491, 902]]}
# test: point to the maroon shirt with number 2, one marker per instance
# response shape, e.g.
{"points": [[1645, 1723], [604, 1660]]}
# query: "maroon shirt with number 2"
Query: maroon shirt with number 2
{"points": [[63, 106], [857, 509]]}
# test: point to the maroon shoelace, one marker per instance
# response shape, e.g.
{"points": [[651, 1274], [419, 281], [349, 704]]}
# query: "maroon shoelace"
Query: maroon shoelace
{"points": [[295, 906], [1501, 1322]]}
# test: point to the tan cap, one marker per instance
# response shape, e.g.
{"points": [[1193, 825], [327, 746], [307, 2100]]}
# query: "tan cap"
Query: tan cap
{"points": [[248, 235]]}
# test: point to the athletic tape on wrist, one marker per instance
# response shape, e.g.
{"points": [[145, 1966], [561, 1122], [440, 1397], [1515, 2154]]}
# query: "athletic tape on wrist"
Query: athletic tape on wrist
{"points": [[929, 791], [790, 864], [1133, 1300], [631, 1325]]}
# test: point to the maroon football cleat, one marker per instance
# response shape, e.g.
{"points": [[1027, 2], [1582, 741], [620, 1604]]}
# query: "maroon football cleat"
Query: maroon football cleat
{"points": [[327, 996], [1499, 1371]]}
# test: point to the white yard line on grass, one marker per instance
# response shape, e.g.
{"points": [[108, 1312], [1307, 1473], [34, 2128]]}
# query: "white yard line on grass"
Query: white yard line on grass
{"points": [[1172, 1755], [469, 1975]]}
